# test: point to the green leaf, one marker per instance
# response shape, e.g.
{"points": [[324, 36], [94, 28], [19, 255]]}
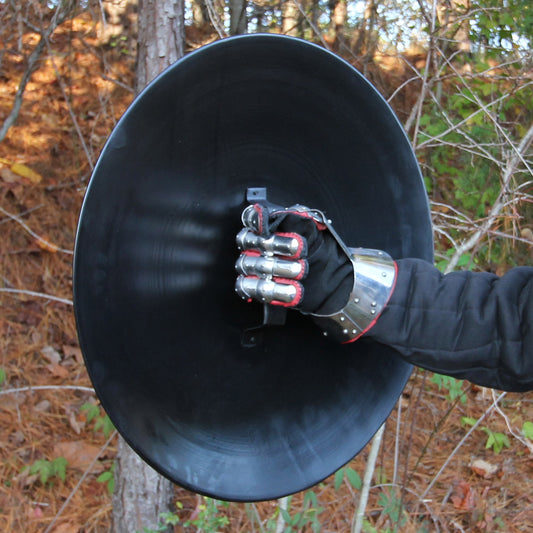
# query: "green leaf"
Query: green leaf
{"points": [[43, 468], [527, 430], [353, 478], [104, 476], [339, 478], [170, 518], [59, 468], [310, 499], [468, 420], [91, 411], [286, 516], [496, 441]]}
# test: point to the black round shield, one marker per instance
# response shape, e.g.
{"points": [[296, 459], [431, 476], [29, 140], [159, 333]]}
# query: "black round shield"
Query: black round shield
{"points": [[159, 323]]}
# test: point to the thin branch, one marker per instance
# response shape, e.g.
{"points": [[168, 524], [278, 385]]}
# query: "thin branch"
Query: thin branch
{"points": [[282, 504], [316, 31], [24, 213], [61, 14], [367, 480], [416, 495], [38, 295], [257, 517], [70, 110], [420, 102], [498, 205], [461, 442], [80, 481], [215, 19], [47, 387], [397, 440], [518, 437], [46, 244], [32, 61]]}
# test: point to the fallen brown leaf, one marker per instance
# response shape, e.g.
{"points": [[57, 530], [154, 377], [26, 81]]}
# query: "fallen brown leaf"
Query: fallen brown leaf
{"points": [[58, 371], [483, 468], [463, 497], [67, 527], [51, 355], [9, 176], [42, 406], [25, 479], [73, 351], [13, 400], [79, 454], [74, 423]]}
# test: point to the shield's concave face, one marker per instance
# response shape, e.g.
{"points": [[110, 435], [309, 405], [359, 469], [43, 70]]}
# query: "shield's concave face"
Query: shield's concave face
{"points": [[159, 323]]}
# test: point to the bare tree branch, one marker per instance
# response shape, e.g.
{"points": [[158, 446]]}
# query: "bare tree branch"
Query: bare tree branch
{"points": [[63, 10], [514, 160]]}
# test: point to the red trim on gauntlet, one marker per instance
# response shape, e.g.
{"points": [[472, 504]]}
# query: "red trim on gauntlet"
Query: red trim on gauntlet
{"points": [[297, 298], [252, 253], [258, 208], [302, 244], [305, 269], [305, 214]]}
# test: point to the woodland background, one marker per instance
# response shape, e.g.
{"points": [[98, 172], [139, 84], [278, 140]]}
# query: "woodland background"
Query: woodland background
{"points": [[459, 75]]}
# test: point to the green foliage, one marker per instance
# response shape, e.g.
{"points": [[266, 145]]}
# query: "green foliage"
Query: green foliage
{"points": [[465, 136], [495, 440], [527, 430], [466, 262], [170, 518], [452, 385], [166, 519], [49, 469], [392, 507], [101, 420], [502, 28], [210, 517], [468, 420], [308, 516], [108, 477], [2, 376], [120, 43], [350, 474], [471, 176]]}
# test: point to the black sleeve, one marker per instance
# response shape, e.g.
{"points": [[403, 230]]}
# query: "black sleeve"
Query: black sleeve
{"points": [[470, 325]]}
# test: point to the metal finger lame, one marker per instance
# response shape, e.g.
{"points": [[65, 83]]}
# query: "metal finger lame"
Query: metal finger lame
{"points": [[291, 245], [266, 265], [268, 290]]}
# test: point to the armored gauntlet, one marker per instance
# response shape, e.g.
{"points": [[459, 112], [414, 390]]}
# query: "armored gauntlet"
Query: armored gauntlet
{"points": [[293, 257]]}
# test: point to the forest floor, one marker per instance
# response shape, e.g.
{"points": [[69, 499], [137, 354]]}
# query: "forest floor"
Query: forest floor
{"points": [[55, 445]]}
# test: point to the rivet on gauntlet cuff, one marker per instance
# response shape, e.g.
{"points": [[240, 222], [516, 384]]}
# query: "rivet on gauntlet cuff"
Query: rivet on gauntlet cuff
{"points": [[374, 279]]}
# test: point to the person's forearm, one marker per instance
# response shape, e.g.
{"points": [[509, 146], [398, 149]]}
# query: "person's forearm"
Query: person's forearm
{"points": [[475, 326]]}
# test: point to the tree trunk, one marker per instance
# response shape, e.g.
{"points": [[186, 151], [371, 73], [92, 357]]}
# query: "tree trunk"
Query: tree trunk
{"points": [[161, 37], [237, 17], [363, 43], [452, 16], [141, 494], [200, 15], [290, 16]]}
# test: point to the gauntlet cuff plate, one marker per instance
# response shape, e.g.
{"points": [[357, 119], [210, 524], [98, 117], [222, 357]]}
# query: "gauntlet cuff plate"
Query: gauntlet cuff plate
{"points": [[374, 277]]}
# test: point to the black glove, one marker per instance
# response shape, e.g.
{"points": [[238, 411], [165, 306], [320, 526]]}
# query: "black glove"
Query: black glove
{"points": [[293, 257]]}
